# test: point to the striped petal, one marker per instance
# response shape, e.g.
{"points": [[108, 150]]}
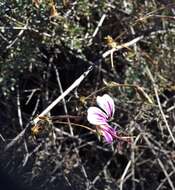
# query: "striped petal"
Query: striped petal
{"points": [[96, 116], [109, 129], [106, 103], [108, 137]]}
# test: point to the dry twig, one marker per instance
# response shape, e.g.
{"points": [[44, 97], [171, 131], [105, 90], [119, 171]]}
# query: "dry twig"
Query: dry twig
{"points": [[158, 102]]}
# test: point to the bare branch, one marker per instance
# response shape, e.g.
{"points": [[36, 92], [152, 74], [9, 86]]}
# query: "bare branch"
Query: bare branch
{"points": [[158, 102]]}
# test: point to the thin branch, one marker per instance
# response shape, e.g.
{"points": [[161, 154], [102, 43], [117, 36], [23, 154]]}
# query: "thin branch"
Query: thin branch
{"points": [[164, 180], [97, 28], [77, 125], [125, 45], [130, 163], [20, 119], [18, 36], [158, 101], [64, 94], [23, 27], [102, 171], [4, 38], [160, 163], [21, 134], [63, 100], [99, 25], [13, 28], [124, 174], [2, 138]]}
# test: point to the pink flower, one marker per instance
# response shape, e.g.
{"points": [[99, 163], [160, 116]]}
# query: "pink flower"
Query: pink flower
{"points": [[101, 117]]}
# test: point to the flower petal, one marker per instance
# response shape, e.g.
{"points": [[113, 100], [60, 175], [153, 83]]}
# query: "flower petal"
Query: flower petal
{"points": [[106, 103], [96, 116], [108, 137], [108, 132], [109, 129]]}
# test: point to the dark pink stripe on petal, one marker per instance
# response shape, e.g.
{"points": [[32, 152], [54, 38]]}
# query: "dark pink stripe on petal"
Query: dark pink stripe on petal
{"points": [[96, 117], [107, 136], [109, 109], [106, 103], [109, 129]]}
